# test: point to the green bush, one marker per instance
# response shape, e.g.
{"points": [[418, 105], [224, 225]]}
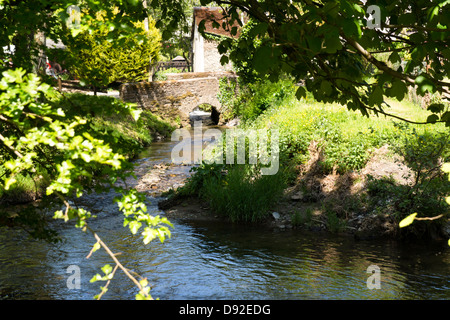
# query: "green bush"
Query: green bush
{"points": [[104, 120], [254, 98], [299, 219], [424, 153]]}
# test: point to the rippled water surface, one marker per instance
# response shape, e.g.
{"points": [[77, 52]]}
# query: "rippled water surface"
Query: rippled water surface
{"points": [[207, 261]]}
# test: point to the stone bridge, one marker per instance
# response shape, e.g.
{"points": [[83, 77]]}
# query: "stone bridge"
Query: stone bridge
{"points": [[176, 97]]}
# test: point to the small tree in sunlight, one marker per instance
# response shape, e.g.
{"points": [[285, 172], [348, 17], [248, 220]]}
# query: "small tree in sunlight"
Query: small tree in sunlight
{"points": [[98, 60]]}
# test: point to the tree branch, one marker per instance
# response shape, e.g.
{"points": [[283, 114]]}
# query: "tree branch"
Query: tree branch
{"points": [[118, 264]]}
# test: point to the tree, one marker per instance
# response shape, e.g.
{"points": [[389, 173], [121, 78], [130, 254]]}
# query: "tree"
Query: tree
{"points": [[326, 43], [99, 60], [36, 136]]}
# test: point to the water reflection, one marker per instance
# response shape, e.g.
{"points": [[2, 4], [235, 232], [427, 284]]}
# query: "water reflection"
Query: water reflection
{"points": [[205, 261]]}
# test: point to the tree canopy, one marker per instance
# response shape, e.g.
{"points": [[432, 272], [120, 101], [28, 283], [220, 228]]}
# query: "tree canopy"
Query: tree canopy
{"points": [[330, 45]]}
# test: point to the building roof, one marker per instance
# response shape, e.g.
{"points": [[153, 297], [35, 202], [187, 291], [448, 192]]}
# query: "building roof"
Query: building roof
{"points": [[210, 14]]}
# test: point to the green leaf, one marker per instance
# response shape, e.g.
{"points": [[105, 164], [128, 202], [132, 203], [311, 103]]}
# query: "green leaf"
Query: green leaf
{"points": [[259, 29], [358, 9], [351, 27], [432, 12], [399, 89], [326, 87], [332, 44], [407, 221], [300, 93], [149, 234], [395, 57], [107, 269], [85, 157], [224, 60], [134, 226], [432, 118], [446, 118], [96, 247], [376, 97], [143, 282], [95, 278], [436, 107], [424, 85], [215, 24], [314, 43], [262, 59]]}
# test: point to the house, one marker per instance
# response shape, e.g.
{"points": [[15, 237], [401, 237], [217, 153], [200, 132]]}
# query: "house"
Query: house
{"points": [[205, 56]]}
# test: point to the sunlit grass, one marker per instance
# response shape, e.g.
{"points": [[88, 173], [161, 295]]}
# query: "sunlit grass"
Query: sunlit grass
{"points": [[347, 136]]}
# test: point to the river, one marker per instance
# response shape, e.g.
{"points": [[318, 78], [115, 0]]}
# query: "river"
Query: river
{"points": [[204, 260]]}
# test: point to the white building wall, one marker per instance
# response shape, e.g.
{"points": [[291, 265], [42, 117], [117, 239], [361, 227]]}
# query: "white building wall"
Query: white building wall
{"points": [[198, 64]]}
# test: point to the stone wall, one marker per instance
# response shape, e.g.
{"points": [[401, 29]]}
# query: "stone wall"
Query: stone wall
{"points": [[173, 100]]}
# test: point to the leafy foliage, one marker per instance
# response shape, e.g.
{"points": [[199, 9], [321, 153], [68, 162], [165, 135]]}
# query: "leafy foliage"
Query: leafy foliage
{"points": [[329, 45], [97, 60], [40, 141], [253, 99], [36, 134]]}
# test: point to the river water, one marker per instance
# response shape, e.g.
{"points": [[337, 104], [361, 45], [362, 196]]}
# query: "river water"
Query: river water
{"points": [[203, 260]]}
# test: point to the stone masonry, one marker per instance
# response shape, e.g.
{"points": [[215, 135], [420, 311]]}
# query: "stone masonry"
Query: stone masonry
{"points": [[176, 97]]}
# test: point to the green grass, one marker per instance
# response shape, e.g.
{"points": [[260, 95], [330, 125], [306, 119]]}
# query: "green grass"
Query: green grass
{"points": [[25, 189], [105, 121], [346, 137]]}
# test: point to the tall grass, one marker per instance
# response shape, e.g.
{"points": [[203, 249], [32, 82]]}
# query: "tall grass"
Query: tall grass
{"points": [[243, 195]]}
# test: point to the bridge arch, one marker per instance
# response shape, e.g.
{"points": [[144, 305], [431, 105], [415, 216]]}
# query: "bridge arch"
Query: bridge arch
{"points": [[175, 98], [206, 113]]}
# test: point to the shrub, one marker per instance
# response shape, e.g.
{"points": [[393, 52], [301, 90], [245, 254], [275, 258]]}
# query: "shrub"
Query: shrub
{"points": [[424, 153], [252, 99], [105, 121], [299, 219], [334, 223]]}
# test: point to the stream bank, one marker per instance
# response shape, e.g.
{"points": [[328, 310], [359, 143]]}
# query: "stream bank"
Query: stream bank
{"points": [[307, 204]]}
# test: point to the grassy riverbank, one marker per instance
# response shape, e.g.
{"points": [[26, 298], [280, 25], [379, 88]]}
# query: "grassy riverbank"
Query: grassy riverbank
{"points": [[124, 135], [339, 171]]}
